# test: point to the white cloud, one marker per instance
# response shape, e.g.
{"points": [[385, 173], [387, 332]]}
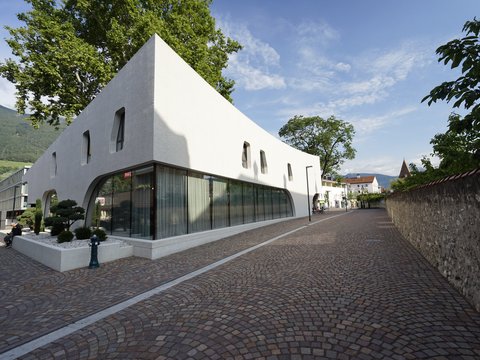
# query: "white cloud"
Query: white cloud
{"points": [[386, 165], [7, 93], [367, 125], [343, 67], [252, 78], [252, 66], [378, 74], [374, 85], [314, 109], [398, 63], [316, 33]]}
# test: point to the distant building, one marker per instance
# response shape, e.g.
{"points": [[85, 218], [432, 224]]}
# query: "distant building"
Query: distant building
{"points": [[13, 197], [363, 184], [404, 172], [334, 192]]}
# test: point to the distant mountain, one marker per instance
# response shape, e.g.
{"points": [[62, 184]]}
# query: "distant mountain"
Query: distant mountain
{"points": [[383, 180], [19, 141]]}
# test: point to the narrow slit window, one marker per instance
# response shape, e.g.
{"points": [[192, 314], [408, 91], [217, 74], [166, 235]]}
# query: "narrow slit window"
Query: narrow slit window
{"points": [[117, 136], [53, 165], [121, 132], [290, 173], [86, 148], [246, 155], [263, 162]]}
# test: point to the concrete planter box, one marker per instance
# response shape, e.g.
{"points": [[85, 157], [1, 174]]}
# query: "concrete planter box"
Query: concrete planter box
{"points": [[64, 259]]}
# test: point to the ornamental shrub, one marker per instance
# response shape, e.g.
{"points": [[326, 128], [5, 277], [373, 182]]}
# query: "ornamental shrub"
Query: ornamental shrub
{"points": [[65, 212], [38, 216], [27, 218], [65, 236], [82, 233], [101, 235], [57, 228]]}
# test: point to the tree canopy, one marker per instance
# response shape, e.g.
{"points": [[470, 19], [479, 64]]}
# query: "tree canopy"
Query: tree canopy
{"points": [[330, 139], [459, 148], [65, 212], [465, 91], [68, 51]]}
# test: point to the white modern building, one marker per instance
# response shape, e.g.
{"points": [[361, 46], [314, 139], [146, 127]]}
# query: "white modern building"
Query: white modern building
{"points": [[166, 155]]}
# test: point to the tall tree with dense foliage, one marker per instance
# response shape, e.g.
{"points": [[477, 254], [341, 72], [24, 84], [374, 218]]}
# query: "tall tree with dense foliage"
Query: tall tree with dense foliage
{"points": [[330, 139], [465, 92], [457, 150], [68, 51]]}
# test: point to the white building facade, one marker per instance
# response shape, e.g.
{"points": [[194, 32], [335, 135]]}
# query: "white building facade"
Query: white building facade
{"points": [[13, 197], [334, 193], [166, 155], [363, 184]]}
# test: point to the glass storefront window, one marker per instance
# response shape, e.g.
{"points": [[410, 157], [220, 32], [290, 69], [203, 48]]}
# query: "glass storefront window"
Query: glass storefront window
{"points": [[159, 201], [171, 202], [122, 204], [220, 203], [248, 203], [236, 203], [198, 202], [142, 203]]}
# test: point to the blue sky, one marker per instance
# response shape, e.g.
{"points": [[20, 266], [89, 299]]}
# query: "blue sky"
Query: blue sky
{"points": [[367, 62]]}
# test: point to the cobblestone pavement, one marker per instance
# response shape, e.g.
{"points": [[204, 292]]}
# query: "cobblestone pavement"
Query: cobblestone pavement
{"points": [[349, 287]]}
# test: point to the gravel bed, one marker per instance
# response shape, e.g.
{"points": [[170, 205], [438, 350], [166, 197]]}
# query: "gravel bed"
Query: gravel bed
{"points": [[46, 238]]}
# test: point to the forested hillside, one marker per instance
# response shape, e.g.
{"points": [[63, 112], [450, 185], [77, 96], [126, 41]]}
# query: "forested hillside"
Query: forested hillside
{"points": [[19, 141]]}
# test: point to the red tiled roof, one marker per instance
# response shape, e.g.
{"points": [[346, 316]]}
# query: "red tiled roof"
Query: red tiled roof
{"points": [[360, 180]]}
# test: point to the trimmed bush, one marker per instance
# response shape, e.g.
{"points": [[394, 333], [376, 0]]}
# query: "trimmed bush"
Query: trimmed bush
{"points": [[57, 228], [38, 217], [82, 233], [101, 235], [65, 236]]}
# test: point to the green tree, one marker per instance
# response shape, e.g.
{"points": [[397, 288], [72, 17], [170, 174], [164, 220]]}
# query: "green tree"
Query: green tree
{"points": [[456, 150], [27, 218], [65, 213], [330, 139], [418, 176], [465, 91], [68, 51]]}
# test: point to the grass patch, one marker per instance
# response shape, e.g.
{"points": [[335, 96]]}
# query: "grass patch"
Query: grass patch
{"points": [[7, 168]]}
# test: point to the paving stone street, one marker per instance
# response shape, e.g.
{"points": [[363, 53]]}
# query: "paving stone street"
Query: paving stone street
{"points": [[344, 286]]}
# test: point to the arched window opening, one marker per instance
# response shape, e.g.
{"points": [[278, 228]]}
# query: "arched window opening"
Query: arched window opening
{"points": [[117, 138], [246, 155], [263, 162]]}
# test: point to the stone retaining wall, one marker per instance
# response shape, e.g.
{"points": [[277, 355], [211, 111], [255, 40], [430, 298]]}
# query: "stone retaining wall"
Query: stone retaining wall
{"points": [[442, 220]]}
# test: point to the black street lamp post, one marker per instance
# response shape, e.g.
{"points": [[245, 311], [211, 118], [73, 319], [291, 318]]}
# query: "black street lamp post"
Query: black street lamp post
{"points": [[308, 194], [14, 197]]}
